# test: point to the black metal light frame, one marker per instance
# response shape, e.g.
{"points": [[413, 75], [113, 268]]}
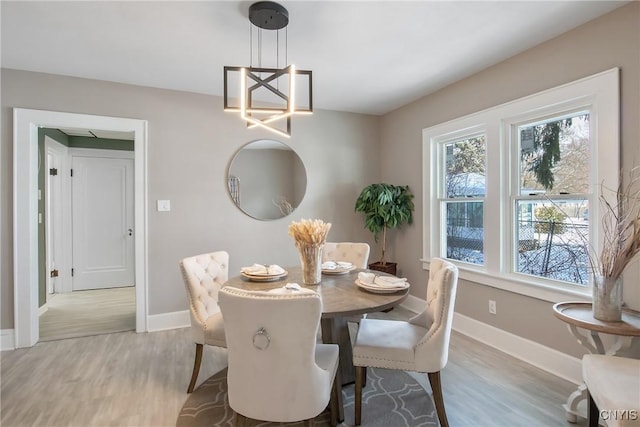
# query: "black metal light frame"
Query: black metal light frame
{"points": [[271, 16]]}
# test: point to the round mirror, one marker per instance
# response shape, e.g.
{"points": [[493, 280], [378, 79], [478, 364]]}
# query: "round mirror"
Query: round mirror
{"points": [[266, 179]]}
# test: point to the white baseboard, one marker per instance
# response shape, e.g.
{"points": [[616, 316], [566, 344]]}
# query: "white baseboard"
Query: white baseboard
{"points": [[7, 339], [536, 354], [543, 357], [165, 321], [42, 310], [414, 304]]}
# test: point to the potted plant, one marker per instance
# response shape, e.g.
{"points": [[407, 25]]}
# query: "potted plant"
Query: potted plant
{"points": [[385, 206]]}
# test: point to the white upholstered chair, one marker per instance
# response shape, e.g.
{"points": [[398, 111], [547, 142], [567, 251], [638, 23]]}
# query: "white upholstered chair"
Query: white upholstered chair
{"points": [[355, 253], [277, 372], [203, 277], [420, 345], [613, 384]]}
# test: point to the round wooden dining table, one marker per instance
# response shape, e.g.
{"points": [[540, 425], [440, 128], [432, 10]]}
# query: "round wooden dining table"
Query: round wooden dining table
{"points": [[341, 299]]}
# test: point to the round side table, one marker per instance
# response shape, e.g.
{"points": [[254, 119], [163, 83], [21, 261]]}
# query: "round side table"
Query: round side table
{"points": [[579, 317]]}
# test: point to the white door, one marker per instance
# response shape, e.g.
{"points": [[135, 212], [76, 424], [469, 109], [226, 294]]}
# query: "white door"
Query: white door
{"points": [[103, 243]]}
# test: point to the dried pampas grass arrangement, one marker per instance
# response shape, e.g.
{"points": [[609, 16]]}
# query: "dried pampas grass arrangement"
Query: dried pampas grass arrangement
{"points": [[309, 231], [621, 227], [310, 236]]}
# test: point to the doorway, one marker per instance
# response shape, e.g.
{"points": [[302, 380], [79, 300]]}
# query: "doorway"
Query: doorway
{"points": [[26, 275], [88, 269]]}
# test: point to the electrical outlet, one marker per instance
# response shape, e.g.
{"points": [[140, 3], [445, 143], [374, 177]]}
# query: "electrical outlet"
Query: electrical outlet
{"points": [[492, 307]]}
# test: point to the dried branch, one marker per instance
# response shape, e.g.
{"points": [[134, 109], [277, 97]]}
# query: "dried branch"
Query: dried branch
{"points": [[285, 207], [621, 226]]}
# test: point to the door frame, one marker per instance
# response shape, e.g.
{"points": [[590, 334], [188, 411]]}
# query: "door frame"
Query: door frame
{"points": [[25, 211], [57, 219]]}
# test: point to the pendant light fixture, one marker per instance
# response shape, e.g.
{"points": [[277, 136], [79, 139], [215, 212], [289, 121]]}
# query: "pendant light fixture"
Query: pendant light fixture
{"points": [[267, 93]]}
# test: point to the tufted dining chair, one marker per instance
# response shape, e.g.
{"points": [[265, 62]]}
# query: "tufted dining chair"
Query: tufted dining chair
{"points": [[355, 253], [203, 277], [420, 345], [277, 372], [613, 386]]}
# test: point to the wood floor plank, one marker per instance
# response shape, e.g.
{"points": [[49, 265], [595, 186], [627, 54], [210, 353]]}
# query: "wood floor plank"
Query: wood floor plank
{"points": [[129, 379]]}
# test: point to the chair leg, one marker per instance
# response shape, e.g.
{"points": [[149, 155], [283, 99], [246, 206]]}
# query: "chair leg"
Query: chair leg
{"points": [[593, 413], [364, 378], [196, 367], [361, 372], [240, 420], [333, 404], [436, 387]]}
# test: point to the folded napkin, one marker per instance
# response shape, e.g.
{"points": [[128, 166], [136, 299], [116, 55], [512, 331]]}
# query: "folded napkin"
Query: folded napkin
{"points": [[332, 265], [263, 270], [371, 279], [291, 288]]}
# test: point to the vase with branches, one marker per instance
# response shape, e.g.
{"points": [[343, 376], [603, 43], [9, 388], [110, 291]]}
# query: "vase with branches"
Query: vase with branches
{"points": [[620, 245]]}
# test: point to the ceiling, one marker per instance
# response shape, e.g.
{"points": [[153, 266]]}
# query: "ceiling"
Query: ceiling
{"points": [[367, 57]]}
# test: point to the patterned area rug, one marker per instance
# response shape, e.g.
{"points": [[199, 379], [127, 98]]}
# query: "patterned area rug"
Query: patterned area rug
{"points": [[390, 399]]}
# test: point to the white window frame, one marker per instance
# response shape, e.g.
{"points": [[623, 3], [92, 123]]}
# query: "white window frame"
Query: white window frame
{"points": [[599, 94]]}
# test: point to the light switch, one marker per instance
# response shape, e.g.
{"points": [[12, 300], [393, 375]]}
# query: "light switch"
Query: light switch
{"points": [[164, 205]]}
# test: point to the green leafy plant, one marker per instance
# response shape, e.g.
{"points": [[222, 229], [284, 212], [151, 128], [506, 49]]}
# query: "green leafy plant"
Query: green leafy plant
{"points": [[385, 206]]}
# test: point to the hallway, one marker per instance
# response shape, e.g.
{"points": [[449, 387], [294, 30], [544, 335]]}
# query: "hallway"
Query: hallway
{"points": [[85, 313]]}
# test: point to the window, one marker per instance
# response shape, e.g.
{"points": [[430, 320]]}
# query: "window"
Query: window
{"points": [[511, 192], [551, 195], [463, 198]]}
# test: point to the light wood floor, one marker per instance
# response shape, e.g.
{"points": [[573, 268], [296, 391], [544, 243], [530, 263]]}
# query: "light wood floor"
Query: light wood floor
{"points": [[129, 379], [92, 312]]}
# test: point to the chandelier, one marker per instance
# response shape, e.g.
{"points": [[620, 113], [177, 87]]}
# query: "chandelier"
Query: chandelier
{"points": [[268, 94]]}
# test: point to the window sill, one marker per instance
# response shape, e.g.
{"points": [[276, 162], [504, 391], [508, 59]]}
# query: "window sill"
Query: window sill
{"points": [[520, 285]]}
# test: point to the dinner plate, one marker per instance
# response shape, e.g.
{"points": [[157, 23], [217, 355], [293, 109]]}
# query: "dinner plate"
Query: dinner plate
{"points": [[264, 277], [379, 289], [337, 271]]}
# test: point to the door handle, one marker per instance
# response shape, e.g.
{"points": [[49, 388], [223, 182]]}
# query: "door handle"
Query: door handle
{"points": [[130, 231]]}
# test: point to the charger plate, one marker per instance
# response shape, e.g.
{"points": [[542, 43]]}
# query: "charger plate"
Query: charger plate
{"points": [[264, 277], [338, 271], [379, 289]]}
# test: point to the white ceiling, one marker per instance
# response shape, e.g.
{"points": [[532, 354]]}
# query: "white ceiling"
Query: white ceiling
{"points": [[367, 57]]}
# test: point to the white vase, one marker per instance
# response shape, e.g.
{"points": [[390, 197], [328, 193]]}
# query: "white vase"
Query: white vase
{"points": [[607, 298]]}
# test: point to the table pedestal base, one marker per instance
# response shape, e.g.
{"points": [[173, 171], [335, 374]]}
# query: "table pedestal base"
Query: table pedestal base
{"points": [[592, 341], [571, 407], [335, 330]]}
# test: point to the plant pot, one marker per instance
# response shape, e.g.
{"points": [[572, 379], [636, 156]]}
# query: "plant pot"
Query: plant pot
{"points": [[388, 267]]}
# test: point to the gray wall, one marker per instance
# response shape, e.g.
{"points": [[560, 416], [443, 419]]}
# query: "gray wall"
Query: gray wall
{"points": [[191, 141], [610, 41]]}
